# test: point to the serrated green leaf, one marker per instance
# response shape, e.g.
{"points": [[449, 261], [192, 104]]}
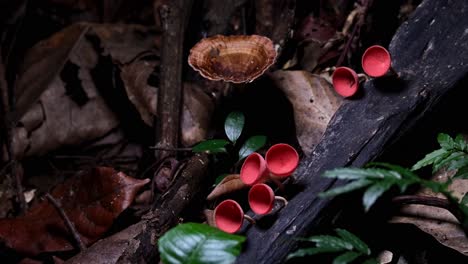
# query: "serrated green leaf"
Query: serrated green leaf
{"points": [[462, 173], [331, 242], [211, 146], [359, 173], [445, 141], [346, 258], [454, 156], [374, 192], [430, 158], [234, 125], [354, 185], [371, 261], [311, 251], [194, 243], [357, 243], [251, 145]]}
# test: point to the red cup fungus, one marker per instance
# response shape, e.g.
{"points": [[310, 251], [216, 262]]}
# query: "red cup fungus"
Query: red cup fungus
{"points": [[229, 216], [281, 160], [376, 61], [345, 81], [262, 199], [254, 169]]}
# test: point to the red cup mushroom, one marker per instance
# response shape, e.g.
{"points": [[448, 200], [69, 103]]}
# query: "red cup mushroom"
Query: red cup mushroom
{"points": [[376, 61], [262, 199], [229, 216], [254, 169], [345, 81], [281, 160]]}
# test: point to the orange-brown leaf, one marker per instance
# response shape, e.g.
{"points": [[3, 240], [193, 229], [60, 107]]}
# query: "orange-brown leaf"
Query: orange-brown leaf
{"points": [[230, 183], [91, 201]]}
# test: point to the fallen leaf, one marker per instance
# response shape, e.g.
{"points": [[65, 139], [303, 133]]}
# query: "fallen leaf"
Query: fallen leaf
{"points": [[314, 103], [229, 184], [438, 222], [209, 216], [91, 201]]}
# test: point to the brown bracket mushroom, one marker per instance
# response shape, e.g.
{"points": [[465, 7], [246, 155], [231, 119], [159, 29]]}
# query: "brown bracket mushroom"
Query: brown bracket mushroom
{"points": [[237, 58]]}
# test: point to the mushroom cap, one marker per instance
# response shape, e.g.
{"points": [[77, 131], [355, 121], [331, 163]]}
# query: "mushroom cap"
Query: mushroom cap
{"points": [[229, 216], [345, 81], [237, 58], [254, 169], [282, 160], [376, 61], [261, 198]]}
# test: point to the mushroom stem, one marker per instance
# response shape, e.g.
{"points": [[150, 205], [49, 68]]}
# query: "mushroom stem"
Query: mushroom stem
{"points": [[277, 182], [250, 219], [282, 199]]}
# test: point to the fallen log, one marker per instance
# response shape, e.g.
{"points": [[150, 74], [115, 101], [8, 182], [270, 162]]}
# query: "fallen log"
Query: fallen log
{"points": [[430, 54]]}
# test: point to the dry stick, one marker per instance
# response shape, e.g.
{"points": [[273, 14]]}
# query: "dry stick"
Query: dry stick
{"points": [[430, 201], [67, 221], [174, 17]]}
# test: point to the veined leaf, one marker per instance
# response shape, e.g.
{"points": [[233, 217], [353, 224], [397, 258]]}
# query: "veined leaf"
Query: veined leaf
{"points": [[446, 141], [251, 145], [234, 125], [211, 146], [330, 242], [354, 185], [359, 173], [194, 243], [374, 192], [430, 158], [311, 251], [346, 258], [357, 243]]}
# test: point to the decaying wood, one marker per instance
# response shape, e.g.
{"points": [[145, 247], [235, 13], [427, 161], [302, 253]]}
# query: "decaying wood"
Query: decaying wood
{"points": [[138, 243], [174, 18], [431, 55]]}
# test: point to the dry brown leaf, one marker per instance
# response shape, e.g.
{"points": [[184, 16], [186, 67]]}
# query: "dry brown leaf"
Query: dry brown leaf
{"points": [[209, 215], [314, 102], [229, 184], [438, 222]]}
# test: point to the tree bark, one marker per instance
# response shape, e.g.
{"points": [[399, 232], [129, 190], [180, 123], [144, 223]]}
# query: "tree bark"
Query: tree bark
{"points": [[430, 53]]}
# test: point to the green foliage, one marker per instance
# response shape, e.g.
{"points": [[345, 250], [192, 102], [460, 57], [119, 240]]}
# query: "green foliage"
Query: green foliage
{"points": [[233, 125], [211, 146], [346, 243], [452, 155], [377, 179], [251, 145], [194, 243]]}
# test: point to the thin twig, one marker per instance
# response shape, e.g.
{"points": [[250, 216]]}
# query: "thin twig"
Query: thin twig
{"points": [[430, 201], [67, 221]]}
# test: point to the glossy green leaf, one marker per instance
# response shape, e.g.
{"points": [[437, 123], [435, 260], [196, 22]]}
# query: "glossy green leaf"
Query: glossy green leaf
{"points": [[194, 243], [354, 185], [211, 146], [357, 243], [346, 258], [251, 145], [233, 125]]}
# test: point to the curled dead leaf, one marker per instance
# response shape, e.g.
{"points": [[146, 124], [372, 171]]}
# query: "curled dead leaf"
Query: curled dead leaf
{"points": [[91, 201], [314, 103], [229, 184]]}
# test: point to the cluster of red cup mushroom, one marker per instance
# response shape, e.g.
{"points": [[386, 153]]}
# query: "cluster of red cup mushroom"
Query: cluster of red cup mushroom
{"points": [[280, 161], [376, 62]]}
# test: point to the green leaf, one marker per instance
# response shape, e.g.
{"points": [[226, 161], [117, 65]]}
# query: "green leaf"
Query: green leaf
{"points": [[462, 173], [330, 242], [358, 173], [194, 243], [251, 145], [211, 146], [430, 158], [459, 163], [371, 261], [354, 185], [311, 251], [233, 125], [346, 258], [374, 192], [450, 158], [460, 143], [406, 173], [446, 141], [357, 243]]}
